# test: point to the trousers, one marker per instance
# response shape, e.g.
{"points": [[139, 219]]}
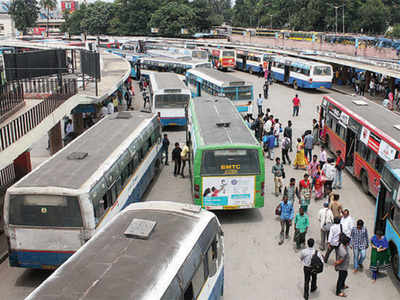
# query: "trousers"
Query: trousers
{"points": [[359, 256], [177, 167], [307, 276], [284, 223], [341, 282]]}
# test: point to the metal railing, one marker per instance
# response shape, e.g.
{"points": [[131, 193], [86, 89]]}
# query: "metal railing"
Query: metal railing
{"points": [[11, 96], [21, 125], [45, 85], [7, 177]]}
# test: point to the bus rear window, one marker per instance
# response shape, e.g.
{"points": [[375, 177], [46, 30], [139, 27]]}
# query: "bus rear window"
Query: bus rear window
{"points": [[171, 100], [325, 71], [230, 162], [45, 210], [228, 53]]}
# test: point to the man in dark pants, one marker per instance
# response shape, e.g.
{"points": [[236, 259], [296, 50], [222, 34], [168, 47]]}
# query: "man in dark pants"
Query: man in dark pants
{"points": [[164, 148], [305, 257], [287, 132], [342, 265], [176, 157]]}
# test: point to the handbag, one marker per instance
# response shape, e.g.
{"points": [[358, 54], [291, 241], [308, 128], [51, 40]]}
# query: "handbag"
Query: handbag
{"points": [[278, 210]]}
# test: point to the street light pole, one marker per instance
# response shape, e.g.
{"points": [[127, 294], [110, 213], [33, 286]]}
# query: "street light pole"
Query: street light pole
{"points": [[343, 16], [336, 8], [271, 19]]}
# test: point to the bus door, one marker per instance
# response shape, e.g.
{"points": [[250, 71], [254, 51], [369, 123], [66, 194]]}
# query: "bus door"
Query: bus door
{"points": [[244, 61], [384, 207], [198, 89], [350, 147], [286, 74]]}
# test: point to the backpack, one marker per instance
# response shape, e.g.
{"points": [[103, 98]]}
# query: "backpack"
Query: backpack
{"points": [[317, 266], [285, 143]]}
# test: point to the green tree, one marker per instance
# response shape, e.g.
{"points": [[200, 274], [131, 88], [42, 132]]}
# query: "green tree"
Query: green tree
{"points": [[373, 16], [172, 17], [97, 17], [24, 13], [396, 31], [48, 5]]}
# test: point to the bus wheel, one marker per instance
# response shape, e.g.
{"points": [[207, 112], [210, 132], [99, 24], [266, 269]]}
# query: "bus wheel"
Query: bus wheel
{"points": [[395, 262], [364, 181], [295, 85]]}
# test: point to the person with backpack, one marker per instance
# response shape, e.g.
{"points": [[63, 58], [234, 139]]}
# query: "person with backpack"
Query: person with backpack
{"points": [[313, 264], [287, 132], [337, 183], [335, 232]]}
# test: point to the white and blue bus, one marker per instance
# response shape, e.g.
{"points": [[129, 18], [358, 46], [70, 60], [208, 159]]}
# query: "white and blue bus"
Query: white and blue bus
{"points": [[193, 53], [169, 96], [217, 83], [301, 73], [150, 251], [51, 212], [165, 64], [387, 216], [252, 62]]}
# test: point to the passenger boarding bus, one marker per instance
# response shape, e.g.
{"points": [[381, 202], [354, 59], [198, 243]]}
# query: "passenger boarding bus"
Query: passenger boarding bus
{"points": [[301, 73], [366, 133], [169, 96], [223, 59], [51, 212], [151, 250], [226, 161], [216, 83], [165, 64]]}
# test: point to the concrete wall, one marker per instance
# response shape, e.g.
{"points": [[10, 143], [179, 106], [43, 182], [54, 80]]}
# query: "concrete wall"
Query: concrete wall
{"points": [[8, 25]]}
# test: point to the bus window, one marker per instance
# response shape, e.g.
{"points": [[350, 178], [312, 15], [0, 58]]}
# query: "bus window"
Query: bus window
{"points": [[395, 217], [229, 162], [379, 163], [372, 159], [212, 255], [228, 53], [363, 150], [198, 280], [188, 293]]}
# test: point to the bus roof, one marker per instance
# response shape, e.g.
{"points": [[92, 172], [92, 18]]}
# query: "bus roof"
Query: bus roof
{"points": [[172, 60], [380, 118], [99, 142], [168, 81], [113, 265], [215, 76], [210, 110], [299, 60]]}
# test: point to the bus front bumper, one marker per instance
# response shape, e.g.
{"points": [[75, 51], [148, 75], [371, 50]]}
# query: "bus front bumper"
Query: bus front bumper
{"points": [[38, 259]]}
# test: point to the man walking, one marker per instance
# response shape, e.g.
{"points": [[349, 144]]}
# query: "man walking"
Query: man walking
{"points": [[306, 257], [329, 171], [296, 105], [285, 150], [176, 157], [342, 265], [287, 213], [266, 88], [259, 103], [287, 132], [301, 224], [184, 157], [347, 222], [339, 165], [359, 242], [278, 172], [269, 145], [336, 206], [325, 217], [308, 145], [333, 238], [164, 148]]}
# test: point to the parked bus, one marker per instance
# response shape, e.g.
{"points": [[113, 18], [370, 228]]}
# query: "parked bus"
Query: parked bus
{"points": [[387, 216], [253, 62], [169, 96], [223, 59], [179, 256], [217, 83], [193, 53], [51, 212], [226, 161], [301, 73], [165, 64], [366, 133], [168, 54]]}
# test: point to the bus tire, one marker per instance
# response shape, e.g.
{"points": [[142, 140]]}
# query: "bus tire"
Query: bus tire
{"points": [[394, 260], [295, 85], [364, 181]]}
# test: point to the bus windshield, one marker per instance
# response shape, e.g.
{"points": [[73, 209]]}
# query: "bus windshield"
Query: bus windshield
{"points": [[230, 162], [319, 70], [228, 53], [45, 210], [171, 100]]}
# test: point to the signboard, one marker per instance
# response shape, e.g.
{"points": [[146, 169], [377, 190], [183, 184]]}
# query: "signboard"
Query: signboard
{"points": [[232, 190], [364, 136], [344, 118], [386, 151]]}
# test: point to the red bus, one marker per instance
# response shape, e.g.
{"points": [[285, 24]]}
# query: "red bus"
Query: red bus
{"points": [[223, 58], [367, 134]]}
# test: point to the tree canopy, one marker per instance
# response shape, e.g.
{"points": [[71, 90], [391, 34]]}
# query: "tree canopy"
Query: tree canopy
{"points": [[24, 13]]}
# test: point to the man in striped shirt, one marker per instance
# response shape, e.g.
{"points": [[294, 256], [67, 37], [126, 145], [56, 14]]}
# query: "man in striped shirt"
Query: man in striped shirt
{"points": [[359, 242]]}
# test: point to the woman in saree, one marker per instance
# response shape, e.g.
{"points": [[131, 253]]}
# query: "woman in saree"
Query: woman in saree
{"points": [[319, 186], [380, 254], [300, 160]]}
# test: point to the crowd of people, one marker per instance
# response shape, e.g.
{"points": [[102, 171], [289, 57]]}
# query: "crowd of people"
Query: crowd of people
{"points": [[321, 180]]}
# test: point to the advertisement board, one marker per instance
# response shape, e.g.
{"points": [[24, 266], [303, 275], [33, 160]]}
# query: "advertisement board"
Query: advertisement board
{"points": [[228, 190]]}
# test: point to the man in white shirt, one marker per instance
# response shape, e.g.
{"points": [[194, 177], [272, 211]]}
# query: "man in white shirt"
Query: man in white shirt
{"points": [[322, 157], [69, 128], [110, 107], [305, 257], [268, 125], [259, 103], [333, 238], [103, 111], [347, 222], [329, 171], [325, 217]]}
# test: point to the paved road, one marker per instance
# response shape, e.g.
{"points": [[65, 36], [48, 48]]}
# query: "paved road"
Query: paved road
{"points": [[255, 266]]}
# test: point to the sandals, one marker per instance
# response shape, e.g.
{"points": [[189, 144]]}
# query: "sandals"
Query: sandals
{"points": [[342, 295]]}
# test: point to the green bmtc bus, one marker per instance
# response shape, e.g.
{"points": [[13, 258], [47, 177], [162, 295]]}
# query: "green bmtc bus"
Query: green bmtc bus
{"points": [[226, 161]]}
